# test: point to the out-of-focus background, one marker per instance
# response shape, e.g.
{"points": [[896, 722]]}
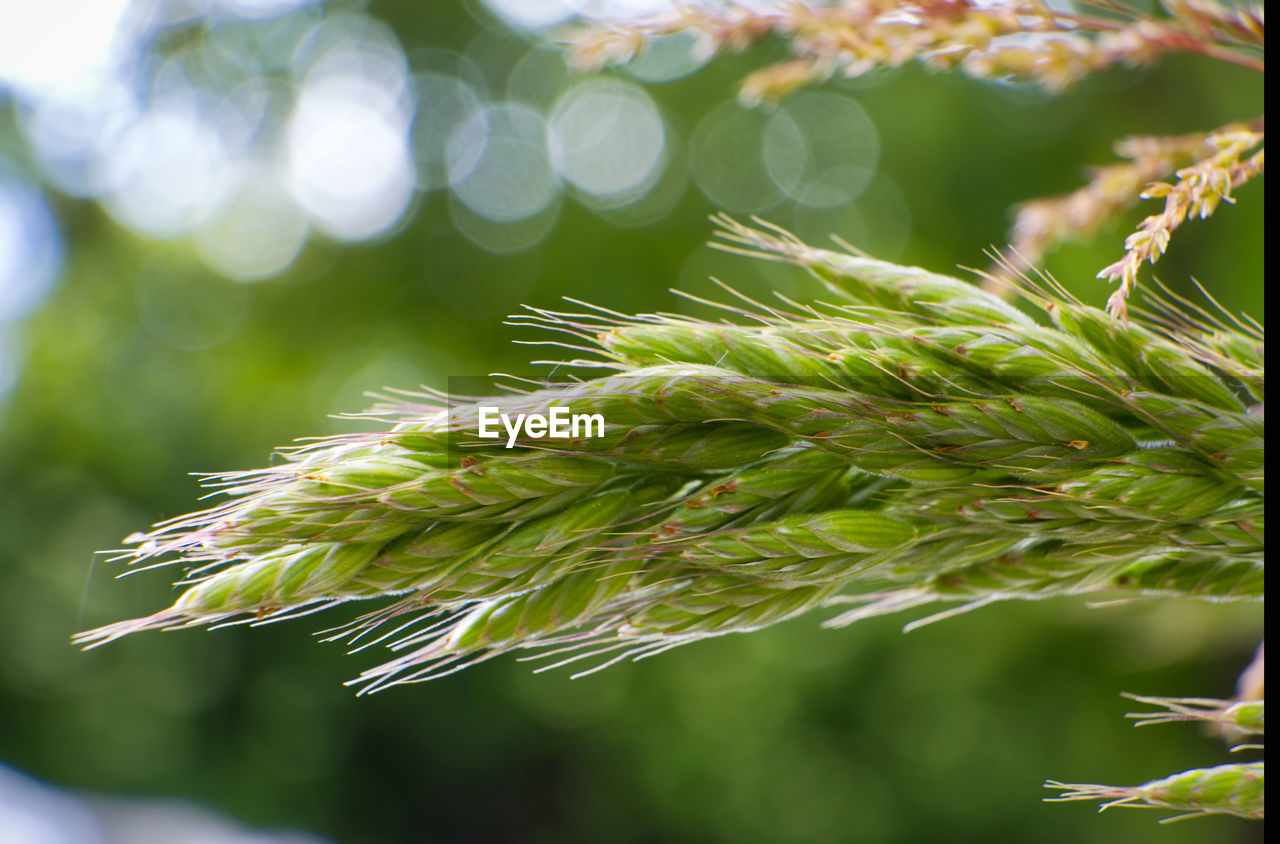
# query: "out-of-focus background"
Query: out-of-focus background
{"points": [[222, 221]]}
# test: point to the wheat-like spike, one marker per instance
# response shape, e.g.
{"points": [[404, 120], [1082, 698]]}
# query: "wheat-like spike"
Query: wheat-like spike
{"points": [[795, 480], [378, 493], [1225, 789], [854, 37], [743, 574], [455, 562], [1245, 717], [943, 440], [918, 441], [865, 281], [694, 587]]}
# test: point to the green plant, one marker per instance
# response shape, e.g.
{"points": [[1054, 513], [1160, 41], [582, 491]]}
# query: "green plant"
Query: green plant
{"points": [[1030, 42], [918, 439], [1227, 789]]}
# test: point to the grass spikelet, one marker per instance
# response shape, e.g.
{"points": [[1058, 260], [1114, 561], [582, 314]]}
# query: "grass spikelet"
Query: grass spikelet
{"points": [[1245, 717], [917, 440], [1226, 789]]}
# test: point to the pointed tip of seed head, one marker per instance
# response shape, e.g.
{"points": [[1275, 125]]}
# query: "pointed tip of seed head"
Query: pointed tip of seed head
{"points": [[90, 639]]}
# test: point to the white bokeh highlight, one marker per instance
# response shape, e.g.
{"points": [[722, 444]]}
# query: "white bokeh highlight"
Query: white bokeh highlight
{"points": [[668, 57], [262, 9], [168, 172], [499, 165], [349, 164], [348, 159], [46, 45], [30, 250], [258, 232], [73, 130], [726, 159], [444, 103], [607, 139], [821, 149]]}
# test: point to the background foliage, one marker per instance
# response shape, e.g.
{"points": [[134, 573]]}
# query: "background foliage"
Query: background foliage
{"points": [[144, 366]]}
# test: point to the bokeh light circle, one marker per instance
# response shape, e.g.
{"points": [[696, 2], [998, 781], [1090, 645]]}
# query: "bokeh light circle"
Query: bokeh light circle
{"points": [[821, 149], [444, 104], [348, 158], [30, 249], [727, 160], [47, 45], [668, 57], [533, 14], [539, 78], [347, 140], [73, 130], [503, 237], [168, 171], [607, 139], [498, 163], [262, 9], [258, 232], [662, 194]]}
